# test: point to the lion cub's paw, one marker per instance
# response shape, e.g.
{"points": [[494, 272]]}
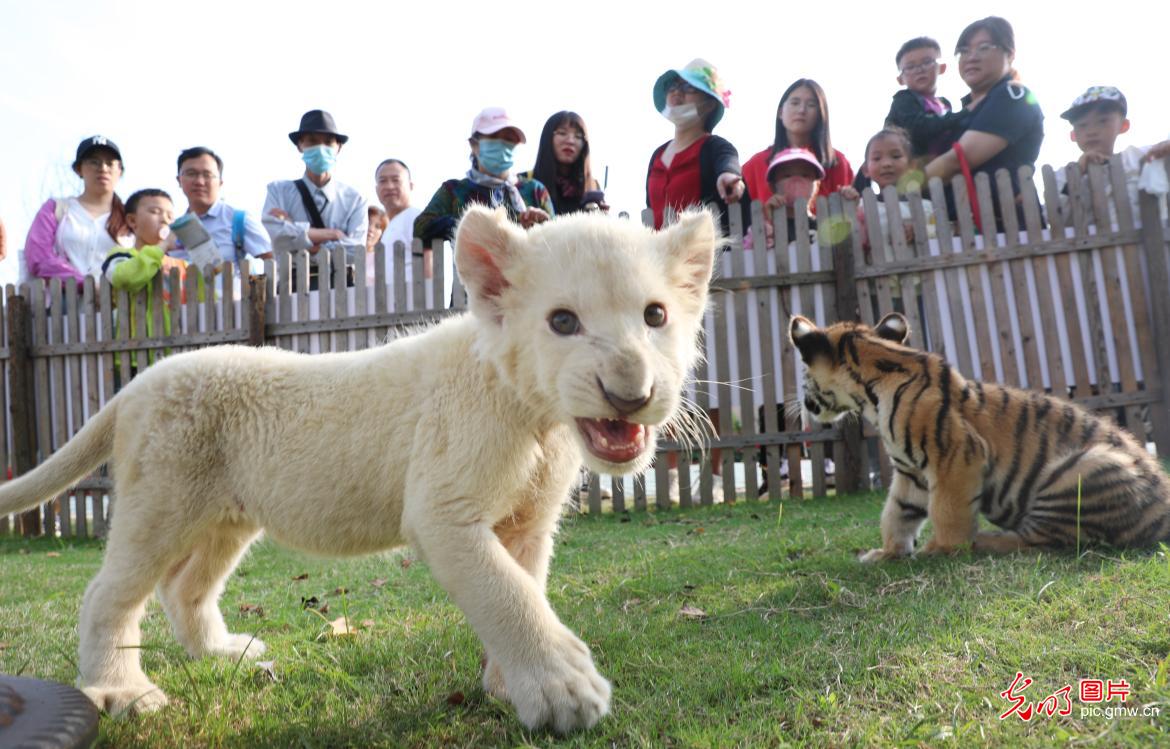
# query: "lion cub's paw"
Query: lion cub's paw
{"points": [[135, 698], [493, 680], [235, 646], [565, 691]]}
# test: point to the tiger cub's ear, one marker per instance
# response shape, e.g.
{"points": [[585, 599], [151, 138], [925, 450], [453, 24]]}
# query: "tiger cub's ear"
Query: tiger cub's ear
{"points": [[799, 328], [893, 327], [809, 339]]}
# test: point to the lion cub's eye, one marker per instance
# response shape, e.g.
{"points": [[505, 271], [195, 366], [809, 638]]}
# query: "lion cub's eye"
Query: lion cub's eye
{"points": [[564, 322], [655, 315]]}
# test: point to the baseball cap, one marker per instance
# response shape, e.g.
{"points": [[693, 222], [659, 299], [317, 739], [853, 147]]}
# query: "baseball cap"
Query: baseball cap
{"points": [[94, 142], [1095, 96], [795, 154], [494, 119]]}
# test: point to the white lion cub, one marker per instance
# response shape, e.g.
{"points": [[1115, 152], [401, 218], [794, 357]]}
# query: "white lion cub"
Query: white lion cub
{"points": [[580, 335]]}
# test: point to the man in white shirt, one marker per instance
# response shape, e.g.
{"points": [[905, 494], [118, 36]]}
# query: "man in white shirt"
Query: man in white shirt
{"points": [[393, 185], [316, 211]]}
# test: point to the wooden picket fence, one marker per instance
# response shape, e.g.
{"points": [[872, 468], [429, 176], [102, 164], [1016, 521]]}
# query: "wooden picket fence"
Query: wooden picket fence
{"points": [[1074, 302]]}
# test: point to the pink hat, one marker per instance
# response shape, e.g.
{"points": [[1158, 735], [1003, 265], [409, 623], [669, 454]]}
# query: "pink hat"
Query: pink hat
{"points": [[795, 154], [494, 119]]}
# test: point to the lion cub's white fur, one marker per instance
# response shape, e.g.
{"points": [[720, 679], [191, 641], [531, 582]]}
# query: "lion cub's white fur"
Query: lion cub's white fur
{"points": [[460, 440]]}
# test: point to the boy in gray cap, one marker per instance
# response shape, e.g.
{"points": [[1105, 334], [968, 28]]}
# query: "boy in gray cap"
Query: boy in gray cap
{"points": [[1098, 117]]}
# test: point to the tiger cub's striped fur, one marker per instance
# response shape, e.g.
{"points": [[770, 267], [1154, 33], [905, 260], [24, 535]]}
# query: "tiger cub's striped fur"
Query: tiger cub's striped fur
{"points": [[960, 447]]}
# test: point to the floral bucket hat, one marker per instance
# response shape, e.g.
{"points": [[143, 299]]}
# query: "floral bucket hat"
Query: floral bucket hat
{"points": [[703, 76]]}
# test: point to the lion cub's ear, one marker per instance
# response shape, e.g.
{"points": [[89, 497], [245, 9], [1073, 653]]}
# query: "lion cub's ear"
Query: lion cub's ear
{"points": [[893, 327], [484, 246], [690, 246]]}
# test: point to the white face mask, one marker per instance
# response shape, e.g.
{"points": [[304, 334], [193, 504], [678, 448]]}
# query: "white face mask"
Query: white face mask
{"points": [[682, 115]]}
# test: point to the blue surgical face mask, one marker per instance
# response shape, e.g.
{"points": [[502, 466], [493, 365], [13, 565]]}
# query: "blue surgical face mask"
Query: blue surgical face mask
{"points": [[320, 159], [495, 156]]}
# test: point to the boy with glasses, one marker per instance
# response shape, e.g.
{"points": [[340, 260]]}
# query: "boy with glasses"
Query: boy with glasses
{"points": [[918, 109]]}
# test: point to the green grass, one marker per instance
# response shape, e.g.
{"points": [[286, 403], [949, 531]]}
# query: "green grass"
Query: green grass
{"points": [[800, 645]]}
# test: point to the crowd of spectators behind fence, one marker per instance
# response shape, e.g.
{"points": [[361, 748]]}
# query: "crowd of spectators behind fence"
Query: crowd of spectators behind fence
{"points": [[999, 125]]}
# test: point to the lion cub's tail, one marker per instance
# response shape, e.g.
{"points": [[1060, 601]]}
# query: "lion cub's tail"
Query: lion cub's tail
{"points": [[80, 455]]}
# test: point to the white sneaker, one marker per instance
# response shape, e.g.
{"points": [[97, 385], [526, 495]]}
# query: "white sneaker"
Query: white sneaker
{"points": [[830, 469], [717, 490], [784, 468], [672, 484]]}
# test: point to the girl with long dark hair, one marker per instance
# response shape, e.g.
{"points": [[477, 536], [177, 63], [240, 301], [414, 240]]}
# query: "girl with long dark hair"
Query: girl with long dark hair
{"points": [[562, 162], [802, 121]]}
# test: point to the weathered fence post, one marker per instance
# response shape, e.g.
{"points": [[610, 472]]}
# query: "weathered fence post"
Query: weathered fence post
{"points": [[257, 301], [1154, 244], [20, 403], [850, 467]]}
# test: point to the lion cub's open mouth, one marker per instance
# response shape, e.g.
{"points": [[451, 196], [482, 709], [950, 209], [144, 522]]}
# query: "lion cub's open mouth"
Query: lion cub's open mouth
{"points": [[615, 440]]}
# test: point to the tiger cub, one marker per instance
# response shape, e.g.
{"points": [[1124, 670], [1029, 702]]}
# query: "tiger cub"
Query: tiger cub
{"points": [[960, 447]]}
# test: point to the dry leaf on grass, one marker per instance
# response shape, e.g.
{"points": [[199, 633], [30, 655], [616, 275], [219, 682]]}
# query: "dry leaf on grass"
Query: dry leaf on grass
{"points": [[302, 576], [266, 668], [340, 627], [53, 554], [378, 582], [3, 646], [406, 562], [340, 591], [367, 623], [692, 612], [455, 698], [628, 603], [251, 608]]}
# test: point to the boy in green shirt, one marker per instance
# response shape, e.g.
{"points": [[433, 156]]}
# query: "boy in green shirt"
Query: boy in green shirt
{"points": [[149, 213]]}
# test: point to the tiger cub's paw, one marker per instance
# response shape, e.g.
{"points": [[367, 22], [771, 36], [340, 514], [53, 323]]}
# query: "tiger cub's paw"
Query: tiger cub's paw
{"points": [[880, 555], [934, 548]]}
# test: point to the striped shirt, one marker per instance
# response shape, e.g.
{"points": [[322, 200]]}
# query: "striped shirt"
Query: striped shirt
{"points": [[341, 206]]}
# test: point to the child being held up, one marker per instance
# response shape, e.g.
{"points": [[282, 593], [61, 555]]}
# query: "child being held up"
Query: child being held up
{"points": [[794, 174], [918, 109], [1098, 117], [887, 160]]}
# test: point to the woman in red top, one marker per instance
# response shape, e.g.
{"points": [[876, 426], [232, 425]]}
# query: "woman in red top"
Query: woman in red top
{"points": [[802, 121], [694, 166], [691, 168]]}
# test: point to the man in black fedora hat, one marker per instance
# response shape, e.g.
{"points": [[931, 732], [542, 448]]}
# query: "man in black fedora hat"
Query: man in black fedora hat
{"points": [[316, 211]]}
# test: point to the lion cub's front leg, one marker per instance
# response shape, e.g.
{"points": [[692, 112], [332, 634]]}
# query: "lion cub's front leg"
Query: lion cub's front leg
{"points": [[547, 671], [528, 537]]}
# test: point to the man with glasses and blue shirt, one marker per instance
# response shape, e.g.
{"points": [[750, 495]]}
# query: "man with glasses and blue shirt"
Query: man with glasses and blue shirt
{"points": [[316, 211], [239, 235]]}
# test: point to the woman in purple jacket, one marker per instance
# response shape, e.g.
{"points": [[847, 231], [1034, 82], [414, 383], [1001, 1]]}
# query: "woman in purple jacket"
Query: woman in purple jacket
{"points": [[71, 237]]}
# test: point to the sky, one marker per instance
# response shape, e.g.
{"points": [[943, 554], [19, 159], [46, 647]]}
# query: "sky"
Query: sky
{"points": [[406, 80]]}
